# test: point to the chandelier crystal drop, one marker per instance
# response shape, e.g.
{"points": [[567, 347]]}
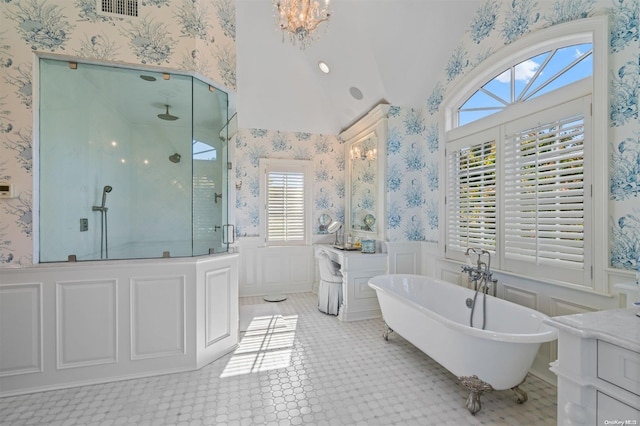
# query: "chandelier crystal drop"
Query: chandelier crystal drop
{"points": [[300, 18]]}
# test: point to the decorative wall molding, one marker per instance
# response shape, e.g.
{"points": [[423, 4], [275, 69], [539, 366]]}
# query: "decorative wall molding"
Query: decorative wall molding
{"points": [[158, 317], [56, 318], [362, 289], [404, 257], [217, 290], [520, 296], [267, 270], [86, 323], [21, 351]]}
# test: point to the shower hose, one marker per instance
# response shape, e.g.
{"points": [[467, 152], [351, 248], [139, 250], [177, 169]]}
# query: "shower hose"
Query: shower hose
{"points": [[484, 304]]}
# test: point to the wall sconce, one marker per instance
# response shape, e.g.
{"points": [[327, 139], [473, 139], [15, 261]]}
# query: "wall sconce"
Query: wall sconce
{"points": [[369, 155], [239, 185]]}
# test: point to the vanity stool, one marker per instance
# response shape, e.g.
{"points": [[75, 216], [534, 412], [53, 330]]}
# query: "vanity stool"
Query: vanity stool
{"points": [[330, 288]]}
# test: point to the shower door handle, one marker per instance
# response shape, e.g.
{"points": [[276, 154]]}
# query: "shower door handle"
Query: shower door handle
{"points": [[226, 234]]}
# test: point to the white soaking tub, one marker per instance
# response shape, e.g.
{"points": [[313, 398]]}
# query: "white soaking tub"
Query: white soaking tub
{"points": [[433, 315]]}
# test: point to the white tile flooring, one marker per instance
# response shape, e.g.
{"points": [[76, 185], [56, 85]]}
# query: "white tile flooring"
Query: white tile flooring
{"points": [[298, 367]]}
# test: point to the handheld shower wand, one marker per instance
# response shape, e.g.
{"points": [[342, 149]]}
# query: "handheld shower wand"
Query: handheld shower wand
{"points": [[102, 208], [105, 191], [103, 222]]}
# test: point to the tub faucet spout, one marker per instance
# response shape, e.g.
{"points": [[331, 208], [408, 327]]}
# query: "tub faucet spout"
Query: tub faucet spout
{"points": [[482, 278], [481, 273]]}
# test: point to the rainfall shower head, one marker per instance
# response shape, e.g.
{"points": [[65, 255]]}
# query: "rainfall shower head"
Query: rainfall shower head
{"points": [[175, 158], [167, 116]]}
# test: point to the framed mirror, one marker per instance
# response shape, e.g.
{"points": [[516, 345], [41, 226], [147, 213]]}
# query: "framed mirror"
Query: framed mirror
{"points": [[364, 183], [365, 158]]}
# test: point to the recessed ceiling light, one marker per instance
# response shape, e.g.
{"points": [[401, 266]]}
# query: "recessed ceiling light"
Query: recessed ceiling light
{"points": [[356, 93], [323, 67]]}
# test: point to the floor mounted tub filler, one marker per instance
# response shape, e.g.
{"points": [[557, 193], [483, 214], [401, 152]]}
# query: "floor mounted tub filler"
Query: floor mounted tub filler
{"points": [[434, 316]]}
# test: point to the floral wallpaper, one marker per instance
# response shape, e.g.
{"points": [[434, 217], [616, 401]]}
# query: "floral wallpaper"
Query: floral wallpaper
{"points": [[175, 34], [412, 176], [200, 36], [413, 206], [327, 153]]}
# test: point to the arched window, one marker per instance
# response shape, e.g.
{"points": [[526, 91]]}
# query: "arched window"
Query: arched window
{"points": [[528, 79], [521, 159]]}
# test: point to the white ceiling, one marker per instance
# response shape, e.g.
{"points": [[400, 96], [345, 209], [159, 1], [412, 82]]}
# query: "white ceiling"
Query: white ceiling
{"points": [[392, 50]]}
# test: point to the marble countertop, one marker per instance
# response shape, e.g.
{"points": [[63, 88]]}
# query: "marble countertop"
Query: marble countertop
{"points": [[617, 326], [350, 252]]}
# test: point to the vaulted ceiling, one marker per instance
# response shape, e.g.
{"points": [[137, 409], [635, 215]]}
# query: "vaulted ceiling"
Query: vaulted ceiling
{"points": [[393, 51]]}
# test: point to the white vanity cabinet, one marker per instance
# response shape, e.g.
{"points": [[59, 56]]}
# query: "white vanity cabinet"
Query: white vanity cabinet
{"points": [[598, 368], [359, 301]]}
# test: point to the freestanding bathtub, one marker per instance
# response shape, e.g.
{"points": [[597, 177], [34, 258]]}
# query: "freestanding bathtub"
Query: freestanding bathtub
{"points": [[433, 315]]}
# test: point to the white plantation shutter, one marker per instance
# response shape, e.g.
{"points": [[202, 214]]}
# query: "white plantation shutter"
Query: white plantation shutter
{"points": [[471, 198], [545, 200], [286, 201], [285, 207], [521, 190], [544, 193]]}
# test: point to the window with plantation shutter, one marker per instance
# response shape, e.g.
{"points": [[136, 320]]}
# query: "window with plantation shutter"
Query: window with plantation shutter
{"points": [[471, 199], [521, 190], [543, 100], [286, 201], [545, 202]]}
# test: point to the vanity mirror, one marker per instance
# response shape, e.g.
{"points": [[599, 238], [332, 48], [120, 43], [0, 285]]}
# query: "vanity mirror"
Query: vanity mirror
{"points": [[365, 155]]}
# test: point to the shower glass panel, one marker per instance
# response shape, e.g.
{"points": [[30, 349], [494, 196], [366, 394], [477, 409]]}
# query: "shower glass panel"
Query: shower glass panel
{"points": [[132, 163]]}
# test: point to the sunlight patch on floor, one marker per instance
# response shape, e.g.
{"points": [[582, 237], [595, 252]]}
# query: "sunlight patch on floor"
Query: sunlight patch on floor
{"points": [[266, 345]]}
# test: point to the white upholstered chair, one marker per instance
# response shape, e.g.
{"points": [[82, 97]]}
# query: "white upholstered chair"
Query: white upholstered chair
{"points": [[330, 288]]}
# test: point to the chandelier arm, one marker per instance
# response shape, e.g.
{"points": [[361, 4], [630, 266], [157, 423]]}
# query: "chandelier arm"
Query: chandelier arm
{"points": [[301, 18]]}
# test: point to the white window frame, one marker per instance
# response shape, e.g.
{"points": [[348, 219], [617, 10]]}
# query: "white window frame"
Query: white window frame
{"points": [[592, 30], [267, 165]]}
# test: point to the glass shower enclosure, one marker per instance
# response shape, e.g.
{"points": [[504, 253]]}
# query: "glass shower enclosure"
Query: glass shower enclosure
{"points": [[132, 164]]}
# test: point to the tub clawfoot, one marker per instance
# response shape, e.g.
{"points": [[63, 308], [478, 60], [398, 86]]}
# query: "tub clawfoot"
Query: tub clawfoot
{"points": [[476, 388], [387, 332], [521, 396]]}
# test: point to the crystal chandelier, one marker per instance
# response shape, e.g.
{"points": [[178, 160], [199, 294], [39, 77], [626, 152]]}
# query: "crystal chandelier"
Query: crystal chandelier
{"points": [[300, 18]]}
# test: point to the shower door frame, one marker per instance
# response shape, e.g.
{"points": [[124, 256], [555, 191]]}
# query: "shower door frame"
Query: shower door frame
{"points": [[225, 170]]}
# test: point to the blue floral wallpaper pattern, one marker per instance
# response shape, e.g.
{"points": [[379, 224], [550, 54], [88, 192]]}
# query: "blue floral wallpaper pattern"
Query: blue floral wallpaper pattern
{"points": [[327, 153], [412, 176], [200, 36], [175, 34], [497, 24]]}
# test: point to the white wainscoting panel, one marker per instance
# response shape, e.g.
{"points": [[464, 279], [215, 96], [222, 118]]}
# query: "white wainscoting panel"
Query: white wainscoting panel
{"points": [[158, 317], [362, 289], [21, 329], [404, 258], [452, 277], [520, 296], [268, 270], [286, 267], [218, 290], [86, 323], [564, 307]]}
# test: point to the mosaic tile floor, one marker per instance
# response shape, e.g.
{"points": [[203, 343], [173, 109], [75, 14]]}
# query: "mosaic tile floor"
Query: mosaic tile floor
{"points": [[295, 367]]}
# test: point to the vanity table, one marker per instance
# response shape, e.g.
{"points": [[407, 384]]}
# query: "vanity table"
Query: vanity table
{"points": [[359, 301], [598, 367]]}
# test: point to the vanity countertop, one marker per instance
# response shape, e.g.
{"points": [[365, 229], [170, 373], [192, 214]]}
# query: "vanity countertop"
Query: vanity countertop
{"points": [[350, 252], [617, 326]]}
